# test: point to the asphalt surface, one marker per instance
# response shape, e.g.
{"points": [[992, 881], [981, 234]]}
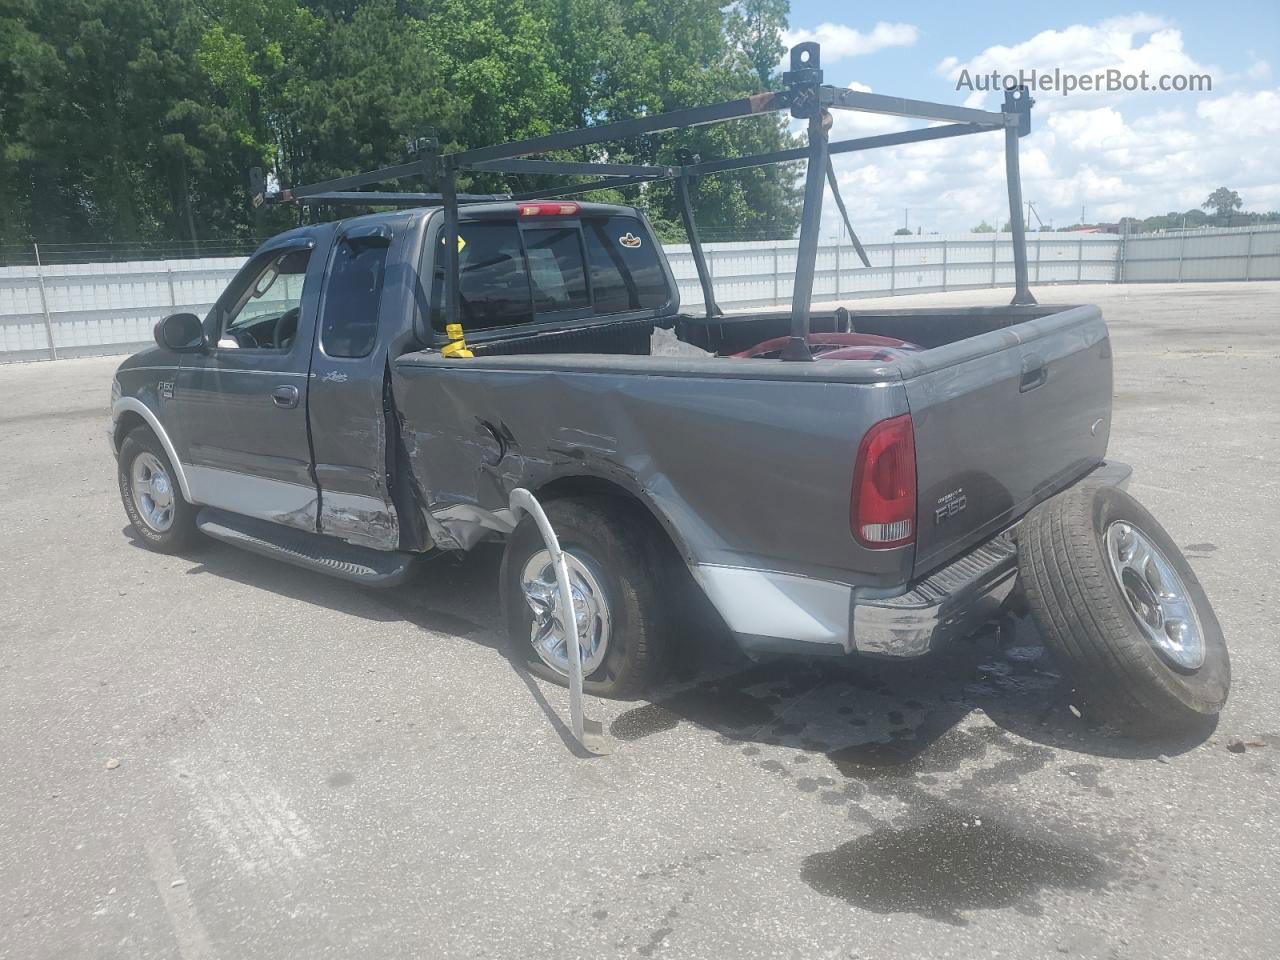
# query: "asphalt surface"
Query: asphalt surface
{"points": [[217, 755]]}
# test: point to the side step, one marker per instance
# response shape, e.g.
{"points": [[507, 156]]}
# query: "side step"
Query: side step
{"points": [[373, 568]]}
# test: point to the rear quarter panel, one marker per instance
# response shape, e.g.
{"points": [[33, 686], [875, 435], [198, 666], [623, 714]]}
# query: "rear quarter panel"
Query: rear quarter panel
{"points": [[742, 472]]}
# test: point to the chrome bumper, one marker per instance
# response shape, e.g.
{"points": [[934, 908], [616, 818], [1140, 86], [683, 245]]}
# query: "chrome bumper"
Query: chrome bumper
{"points": [[947, 605]]}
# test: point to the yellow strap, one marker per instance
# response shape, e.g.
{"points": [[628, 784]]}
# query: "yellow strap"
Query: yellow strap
{"points": [[457, 347]]}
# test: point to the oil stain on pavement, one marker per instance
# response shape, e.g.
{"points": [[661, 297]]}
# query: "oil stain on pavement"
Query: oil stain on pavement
{"points": [[949, 863], [906, 774]]}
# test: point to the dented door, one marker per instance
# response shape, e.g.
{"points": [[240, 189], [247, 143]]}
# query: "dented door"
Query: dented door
{"points": [[349, 400]]}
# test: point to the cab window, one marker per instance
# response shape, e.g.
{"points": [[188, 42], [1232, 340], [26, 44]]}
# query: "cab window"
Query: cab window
{"points": [[352, 295], [557, 271], [263, 314], [626, 273], [512, 274], [493, 282]]}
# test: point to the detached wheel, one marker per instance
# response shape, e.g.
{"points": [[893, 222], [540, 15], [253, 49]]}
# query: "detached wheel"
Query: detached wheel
{"points": [[615, 572], [1123, 610], [163, 520]]}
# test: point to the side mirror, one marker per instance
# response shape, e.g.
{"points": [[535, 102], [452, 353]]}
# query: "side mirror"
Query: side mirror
{"points": [[181, 333]]}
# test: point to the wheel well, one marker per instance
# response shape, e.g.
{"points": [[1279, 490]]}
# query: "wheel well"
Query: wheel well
{"points": [[588, 486], [125, 425]]}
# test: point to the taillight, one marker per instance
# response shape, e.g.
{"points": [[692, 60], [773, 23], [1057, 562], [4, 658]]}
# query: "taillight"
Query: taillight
{"points": [[559, 209], [882, 508]]}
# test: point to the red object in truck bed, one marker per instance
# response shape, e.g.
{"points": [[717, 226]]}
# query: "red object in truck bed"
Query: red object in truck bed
{"points": [[837, 346]]}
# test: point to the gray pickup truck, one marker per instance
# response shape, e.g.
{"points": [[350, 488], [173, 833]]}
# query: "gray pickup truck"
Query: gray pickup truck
{"points": [[370, 390]]}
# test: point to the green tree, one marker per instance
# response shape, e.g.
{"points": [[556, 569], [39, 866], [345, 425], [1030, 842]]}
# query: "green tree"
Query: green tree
{"points": [[88, 86], [127, 120], [678, 55], [983, 227], [1223, 202], [755, 28]]}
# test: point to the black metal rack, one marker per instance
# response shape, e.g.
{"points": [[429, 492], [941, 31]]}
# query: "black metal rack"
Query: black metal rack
{"points": [[803, 94]]}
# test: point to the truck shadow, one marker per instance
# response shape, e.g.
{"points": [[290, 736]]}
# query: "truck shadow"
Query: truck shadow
{"points": [[445, 594], [886, 718], [892, 717]]}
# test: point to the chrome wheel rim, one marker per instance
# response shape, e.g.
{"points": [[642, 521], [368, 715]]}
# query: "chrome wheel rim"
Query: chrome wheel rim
{"points": [[1156, 596], [590, 605], [152, 491]]}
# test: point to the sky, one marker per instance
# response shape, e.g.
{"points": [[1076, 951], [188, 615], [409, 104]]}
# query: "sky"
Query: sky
{"points": [[1112, 154]]}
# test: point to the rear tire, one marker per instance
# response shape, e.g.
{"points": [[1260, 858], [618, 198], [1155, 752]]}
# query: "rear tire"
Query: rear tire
{"points": [[615, 557], [1120, 606], [153, 500]]}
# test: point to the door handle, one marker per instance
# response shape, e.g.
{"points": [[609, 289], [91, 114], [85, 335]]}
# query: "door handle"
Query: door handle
{"points": [[1034, 373], [286, 396]]}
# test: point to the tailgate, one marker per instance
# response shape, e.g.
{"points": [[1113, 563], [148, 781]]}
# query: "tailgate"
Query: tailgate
{"points": [[1003, 421]]}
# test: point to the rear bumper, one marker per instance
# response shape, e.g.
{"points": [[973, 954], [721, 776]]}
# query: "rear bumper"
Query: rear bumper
{"points": [[946, 605], [780, 614]]}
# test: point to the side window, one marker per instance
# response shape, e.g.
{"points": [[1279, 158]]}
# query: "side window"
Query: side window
{"points": [[625, 271], [494, 287], [264, 311], [352, 293], [556, 269]]}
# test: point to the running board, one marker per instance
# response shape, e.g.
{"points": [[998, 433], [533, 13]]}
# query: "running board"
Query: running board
{"points": [[373, 568]]}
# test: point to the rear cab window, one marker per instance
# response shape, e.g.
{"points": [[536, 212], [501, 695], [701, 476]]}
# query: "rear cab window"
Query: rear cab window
{"points": [[626, 272], [552, 270], [557, 269]]}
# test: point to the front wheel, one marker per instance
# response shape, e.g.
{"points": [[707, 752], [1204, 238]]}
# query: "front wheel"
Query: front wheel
{"points": [[617, 582], [1123, 610], [164, 521]]}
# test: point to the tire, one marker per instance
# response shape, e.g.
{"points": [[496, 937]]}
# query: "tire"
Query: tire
{"points": [[1123, 670], [141, 455], [612, 548]]}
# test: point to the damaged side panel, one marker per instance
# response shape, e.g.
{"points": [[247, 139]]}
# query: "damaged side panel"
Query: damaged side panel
{"points": [[351, 450], [741, 472], [351, 410]]}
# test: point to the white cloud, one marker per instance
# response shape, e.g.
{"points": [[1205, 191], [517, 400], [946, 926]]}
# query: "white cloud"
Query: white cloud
{"points": [[1259, 70], [1094, 130], [1132, 45], [1240, 114], [840, 41], [1115, 155]]}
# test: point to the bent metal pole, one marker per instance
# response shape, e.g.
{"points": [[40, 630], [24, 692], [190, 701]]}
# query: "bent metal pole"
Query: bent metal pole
{"points": [[588, 733]]}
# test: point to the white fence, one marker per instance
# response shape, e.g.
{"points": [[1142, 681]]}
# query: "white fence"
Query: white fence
{"points": [[90, 309], [1244, 253], [104, 308], [760, 274]]}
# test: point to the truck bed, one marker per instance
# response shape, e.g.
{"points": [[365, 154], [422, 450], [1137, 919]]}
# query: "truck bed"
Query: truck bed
{"points": [[929, 327], [748, 463]]}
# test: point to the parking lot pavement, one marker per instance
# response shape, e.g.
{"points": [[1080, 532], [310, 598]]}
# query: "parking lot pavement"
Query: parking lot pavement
{"points": [[216, 755]]}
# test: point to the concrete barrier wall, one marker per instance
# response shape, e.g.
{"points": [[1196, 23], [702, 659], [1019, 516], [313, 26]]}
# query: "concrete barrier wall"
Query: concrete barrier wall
{"points": [[105, 308]]}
